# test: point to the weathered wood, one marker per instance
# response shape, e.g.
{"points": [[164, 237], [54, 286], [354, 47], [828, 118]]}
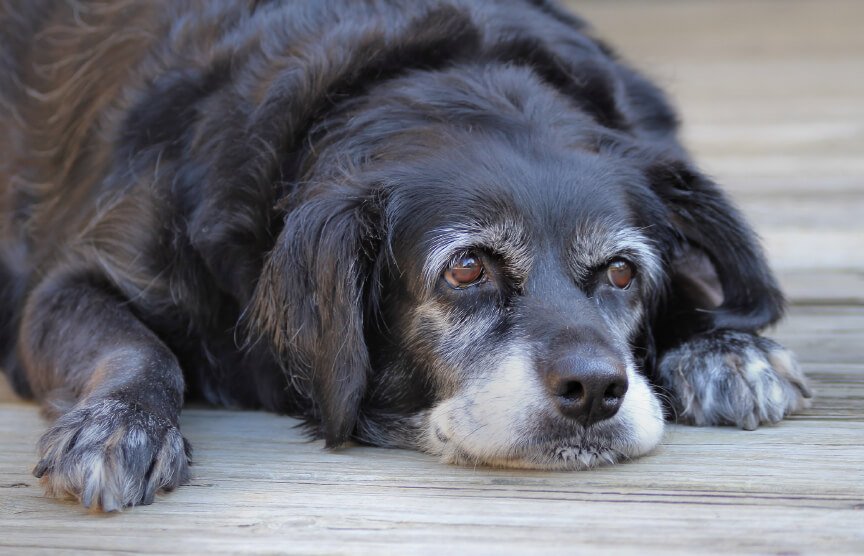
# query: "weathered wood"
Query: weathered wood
{"points": [[785, 488], [823, 286], [771, 94]]}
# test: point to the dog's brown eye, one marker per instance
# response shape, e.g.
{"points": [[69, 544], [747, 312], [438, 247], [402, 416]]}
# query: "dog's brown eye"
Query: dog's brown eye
{"points": [[620, 273], [465, 271]]}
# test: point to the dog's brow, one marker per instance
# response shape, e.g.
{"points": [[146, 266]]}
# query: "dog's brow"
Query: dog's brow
{"points": [[595, 244], [507, 239]]}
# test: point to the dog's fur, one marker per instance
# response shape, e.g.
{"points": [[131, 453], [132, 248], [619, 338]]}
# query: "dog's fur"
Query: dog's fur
{"points": [[267, 195]]}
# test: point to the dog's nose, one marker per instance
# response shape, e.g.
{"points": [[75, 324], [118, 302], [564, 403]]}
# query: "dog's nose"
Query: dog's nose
{"points": [[587, 390]]}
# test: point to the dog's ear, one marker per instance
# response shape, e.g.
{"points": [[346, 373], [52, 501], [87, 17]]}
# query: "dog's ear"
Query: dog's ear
{"points": [[705, 225], [309, 303]]}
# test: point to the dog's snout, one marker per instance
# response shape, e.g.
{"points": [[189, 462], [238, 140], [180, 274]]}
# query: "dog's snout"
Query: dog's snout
{"points": [[587, 390]]}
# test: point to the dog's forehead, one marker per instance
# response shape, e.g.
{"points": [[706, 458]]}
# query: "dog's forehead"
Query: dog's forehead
{"points": [[512, 200]]}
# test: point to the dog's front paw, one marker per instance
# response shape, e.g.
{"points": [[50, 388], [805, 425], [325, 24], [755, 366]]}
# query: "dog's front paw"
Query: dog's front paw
{"points": [[109, 454], [733, 378]]}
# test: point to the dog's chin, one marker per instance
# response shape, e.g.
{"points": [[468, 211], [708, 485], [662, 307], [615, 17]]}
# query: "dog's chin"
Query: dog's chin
{"points": [[567, 455], [595, 447], [526, 434]]}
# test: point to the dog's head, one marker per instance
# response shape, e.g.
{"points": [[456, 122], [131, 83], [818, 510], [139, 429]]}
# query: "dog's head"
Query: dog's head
{"points": [[515, 285], [472, 257], [465, 272]]}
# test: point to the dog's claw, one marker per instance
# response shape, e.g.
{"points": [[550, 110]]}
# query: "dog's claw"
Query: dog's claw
{"points": [[149, 496], [750, 422], [109, 504], [40, 469]]}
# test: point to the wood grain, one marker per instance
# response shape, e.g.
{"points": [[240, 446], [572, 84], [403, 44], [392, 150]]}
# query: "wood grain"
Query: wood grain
{"points": [[772, 95]]}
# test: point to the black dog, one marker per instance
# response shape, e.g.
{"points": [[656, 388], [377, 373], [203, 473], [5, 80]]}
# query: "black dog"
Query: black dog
{"points": [[463, 227]]}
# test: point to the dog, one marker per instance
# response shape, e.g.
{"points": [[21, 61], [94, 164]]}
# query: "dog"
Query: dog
{"points": [[461, 227]]}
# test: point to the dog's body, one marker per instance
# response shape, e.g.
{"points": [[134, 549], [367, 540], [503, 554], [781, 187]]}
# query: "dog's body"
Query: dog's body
{"points": [[462, 227]]}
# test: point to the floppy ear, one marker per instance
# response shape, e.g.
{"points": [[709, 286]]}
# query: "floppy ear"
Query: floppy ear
{"points": [[704, 221], [309, 302]]}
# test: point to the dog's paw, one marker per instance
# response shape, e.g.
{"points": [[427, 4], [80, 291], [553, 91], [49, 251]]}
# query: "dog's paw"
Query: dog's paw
{"points": [[109, 454], [733, 378]]}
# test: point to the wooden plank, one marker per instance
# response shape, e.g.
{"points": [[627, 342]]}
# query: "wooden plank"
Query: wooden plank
{"points": [[839, 214], [823, 334], [823, 286], [716, 482], [670, 32], [826, 250]]}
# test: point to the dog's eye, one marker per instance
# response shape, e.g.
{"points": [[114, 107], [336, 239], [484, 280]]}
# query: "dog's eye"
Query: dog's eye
{"points": [[466, 270], [620, 273]]}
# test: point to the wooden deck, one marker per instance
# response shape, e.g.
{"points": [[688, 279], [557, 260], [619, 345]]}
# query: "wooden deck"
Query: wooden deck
{"points": [[773, 99]]}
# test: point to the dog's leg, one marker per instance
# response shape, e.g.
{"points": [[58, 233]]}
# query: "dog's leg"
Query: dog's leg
{"points": [[732, 378], [116, 442]]}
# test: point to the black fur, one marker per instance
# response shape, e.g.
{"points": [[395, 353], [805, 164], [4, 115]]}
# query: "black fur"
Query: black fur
{"points": [[237, 202]]}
